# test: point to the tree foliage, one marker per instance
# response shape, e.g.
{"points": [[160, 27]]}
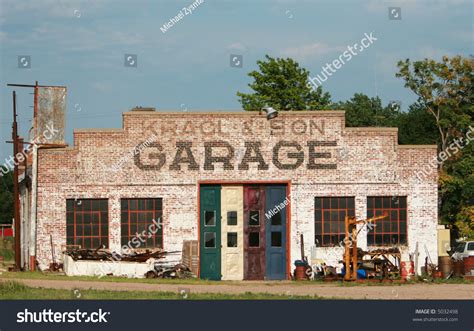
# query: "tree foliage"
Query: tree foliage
{"points": [[6, 198], [283, 85], [363, 111], [445, 91], [416, 127]]}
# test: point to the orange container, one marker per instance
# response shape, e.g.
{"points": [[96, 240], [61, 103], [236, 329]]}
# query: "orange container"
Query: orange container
{"points": [[300, 272], [468, 265]]}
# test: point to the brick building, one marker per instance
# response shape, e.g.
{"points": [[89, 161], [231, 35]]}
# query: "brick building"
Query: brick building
{"points": [[244, 186]]}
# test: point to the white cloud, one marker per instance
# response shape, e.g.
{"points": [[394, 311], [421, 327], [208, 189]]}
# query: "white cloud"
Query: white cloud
{"points": [[309, 50], [101, 86], [237, 47], [415, 6], [49, 8], [433, 53]]}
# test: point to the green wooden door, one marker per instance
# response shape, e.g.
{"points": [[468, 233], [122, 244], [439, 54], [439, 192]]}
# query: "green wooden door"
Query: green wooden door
{"points": [[210, 232]]}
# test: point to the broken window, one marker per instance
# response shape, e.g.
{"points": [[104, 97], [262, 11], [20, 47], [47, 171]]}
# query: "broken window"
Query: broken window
{"points": [[87, 223], [209, 239], [142, 223], [232, 239], [209, 218]]}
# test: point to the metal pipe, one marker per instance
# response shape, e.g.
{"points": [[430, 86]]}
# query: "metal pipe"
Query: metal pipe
{"points": [[34, 187]]}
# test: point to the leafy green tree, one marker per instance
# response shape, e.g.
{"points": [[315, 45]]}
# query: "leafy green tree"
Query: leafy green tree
{"points": [[417, 127], [363, 111], [445, 90], [283, 85], [6, 198]]}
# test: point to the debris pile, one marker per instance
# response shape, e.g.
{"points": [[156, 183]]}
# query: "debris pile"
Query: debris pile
{"points": [[102, 255], [162, 270]]}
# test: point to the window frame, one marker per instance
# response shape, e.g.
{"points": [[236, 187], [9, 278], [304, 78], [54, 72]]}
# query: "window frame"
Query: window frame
{"points": [[374, 210], [89, 212], [327, 207], [137, 211]]}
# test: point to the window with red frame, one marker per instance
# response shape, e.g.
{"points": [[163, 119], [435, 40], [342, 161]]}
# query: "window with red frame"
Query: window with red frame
{"points": [[142, 219], [391, 230], [87, 223], [329, 218]]}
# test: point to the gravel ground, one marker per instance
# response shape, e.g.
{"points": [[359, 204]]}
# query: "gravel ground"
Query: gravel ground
{"points": [[374, 292]]}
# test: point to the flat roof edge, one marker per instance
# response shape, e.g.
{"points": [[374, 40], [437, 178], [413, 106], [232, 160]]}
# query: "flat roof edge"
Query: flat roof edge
{"points": [[99, 130], [242, 112], [371, 129], [418, 146]]}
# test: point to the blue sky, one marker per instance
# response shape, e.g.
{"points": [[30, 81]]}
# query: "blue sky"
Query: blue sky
{"points": [[81, 44]]}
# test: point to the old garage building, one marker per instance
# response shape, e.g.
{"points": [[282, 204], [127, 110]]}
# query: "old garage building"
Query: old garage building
{"points": [[245, 187]]}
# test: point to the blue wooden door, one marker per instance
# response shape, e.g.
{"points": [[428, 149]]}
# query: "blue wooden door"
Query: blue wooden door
{"points": [[210, 232], [275, 221]]}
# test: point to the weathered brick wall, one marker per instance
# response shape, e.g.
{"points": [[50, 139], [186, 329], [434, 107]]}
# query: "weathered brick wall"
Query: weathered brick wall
{"points": [[337, 161]]}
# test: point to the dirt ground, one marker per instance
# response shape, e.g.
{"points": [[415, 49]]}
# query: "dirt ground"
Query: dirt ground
{"points": [[373, 292]]}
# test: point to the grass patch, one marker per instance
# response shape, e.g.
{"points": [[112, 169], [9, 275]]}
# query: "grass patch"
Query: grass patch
{"points": [[7, 254], [114, 279], [195, 281], [6, 249], [10, 290]]}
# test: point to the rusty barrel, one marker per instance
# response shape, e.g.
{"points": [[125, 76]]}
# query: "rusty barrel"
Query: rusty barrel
{"points": [[437, 274], [468, 264], [458, 268], [445, 264], [300, 272]]}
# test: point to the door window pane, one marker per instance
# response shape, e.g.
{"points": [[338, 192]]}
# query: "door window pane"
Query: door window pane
{"points": [[209, 218], [231, 218], [276, 219], [210, 239], [254, 218], [254, 239], [276, 239], [232, 239]]}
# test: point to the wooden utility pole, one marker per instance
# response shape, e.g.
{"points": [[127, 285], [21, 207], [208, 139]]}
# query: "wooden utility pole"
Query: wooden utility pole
{"points": [[16, 195]]}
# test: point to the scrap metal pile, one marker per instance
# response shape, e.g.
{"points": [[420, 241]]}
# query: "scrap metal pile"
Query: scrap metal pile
{"points": [[169, 271], [102, 255], [381, 263], [161, 269]]}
